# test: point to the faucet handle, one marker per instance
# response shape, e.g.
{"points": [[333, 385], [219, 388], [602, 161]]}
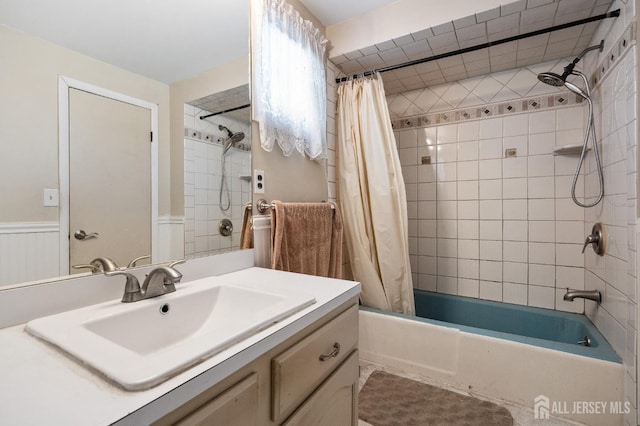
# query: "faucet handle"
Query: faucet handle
{"points": [[176, 262], [591, 239], [105, 263], [133, 263], [94, 268], [597, 239], [132, 291]]}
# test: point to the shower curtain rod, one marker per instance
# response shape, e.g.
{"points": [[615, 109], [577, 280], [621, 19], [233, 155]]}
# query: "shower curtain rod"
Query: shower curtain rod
{"points": [[612, 14], [202, 117]]}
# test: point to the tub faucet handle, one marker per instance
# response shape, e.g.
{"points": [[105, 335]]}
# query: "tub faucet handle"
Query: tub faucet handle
{"points": [[596, 239], [591, 239]]}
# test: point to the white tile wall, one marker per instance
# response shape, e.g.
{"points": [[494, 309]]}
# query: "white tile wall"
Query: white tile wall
{"points": [[488, 226], [615, 274]]}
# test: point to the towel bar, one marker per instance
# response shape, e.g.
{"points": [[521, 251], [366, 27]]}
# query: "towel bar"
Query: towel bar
{"points": [[263, 206]]}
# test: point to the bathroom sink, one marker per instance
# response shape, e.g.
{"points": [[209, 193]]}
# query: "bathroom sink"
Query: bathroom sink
{"points": [[141, 344]]}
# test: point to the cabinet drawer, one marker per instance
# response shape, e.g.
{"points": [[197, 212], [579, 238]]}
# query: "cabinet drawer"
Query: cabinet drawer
{"points": [[235, 406], [298, 371], [334, 402]]}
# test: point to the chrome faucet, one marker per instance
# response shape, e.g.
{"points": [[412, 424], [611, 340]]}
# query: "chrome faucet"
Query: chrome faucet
{"points": [[583, 294], [99, 264], [159, 281]]}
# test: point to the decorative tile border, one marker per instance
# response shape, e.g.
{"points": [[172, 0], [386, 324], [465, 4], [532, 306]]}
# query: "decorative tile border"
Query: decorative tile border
{"points": [[617, 51], [212, 139], [515, 106], [564, 99]]}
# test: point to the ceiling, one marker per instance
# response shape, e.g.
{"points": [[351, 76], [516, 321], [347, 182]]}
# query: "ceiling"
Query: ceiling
{"points": [[508, 20], [164, 40], [170, 41], [331, 12]]}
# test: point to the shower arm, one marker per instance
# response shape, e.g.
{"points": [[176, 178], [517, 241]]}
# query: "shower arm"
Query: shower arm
{"points": [[569, 68]]}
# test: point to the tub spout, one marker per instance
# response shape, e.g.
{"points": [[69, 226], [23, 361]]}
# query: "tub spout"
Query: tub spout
{"points": [[584, 294]]}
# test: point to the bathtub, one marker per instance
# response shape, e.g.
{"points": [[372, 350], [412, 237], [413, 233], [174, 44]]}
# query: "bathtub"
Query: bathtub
{"points": [[509, 352]]}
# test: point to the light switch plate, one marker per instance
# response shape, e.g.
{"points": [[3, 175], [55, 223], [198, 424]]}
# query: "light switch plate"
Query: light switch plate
{"points": [[51, 198]]}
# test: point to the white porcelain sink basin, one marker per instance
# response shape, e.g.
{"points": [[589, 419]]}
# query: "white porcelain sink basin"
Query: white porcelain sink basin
{"points": [[141, 344]]}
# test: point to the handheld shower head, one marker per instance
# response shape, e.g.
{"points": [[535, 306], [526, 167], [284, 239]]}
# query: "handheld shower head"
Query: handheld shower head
{"points": [[232, 141], [575, 89]]}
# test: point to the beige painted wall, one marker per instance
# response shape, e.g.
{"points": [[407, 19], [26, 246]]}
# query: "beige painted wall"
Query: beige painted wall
{"points": [[29, 73], [219, 79], [292, 178]]}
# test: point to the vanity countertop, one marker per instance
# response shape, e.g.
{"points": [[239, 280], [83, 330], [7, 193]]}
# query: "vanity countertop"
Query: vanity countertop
{"points": [[42, 385]]}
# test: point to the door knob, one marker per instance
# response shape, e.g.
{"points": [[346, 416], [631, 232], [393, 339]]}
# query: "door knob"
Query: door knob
{"points": [[81, 235]]}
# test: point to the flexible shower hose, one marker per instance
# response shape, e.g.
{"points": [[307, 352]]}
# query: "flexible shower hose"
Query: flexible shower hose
{"points": [[224, 187], [590, 130]]}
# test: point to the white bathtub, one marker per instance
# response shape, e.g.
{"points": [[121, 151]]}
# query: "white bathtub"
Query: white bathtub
{"points": [[498, 368]]}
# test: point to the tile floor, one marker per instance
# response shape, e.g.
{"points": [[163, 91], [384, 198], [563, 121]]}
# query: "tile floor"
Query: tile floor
{"points": [[522, 416]]}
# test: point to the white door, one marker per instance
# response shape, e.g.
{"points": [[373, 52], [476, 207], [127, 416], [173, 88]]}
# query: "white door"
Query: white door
{"points": [[109, 179]]}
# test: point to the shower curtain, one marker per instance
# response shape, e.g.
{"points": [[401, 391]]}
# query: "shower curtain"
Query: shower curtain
{"points": [[373, 197]]}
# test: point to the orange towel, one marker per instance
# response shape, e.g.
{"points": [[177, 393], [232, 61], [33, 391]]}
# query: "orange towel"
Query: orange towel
{"points": [[246, 234], [307, 238]]}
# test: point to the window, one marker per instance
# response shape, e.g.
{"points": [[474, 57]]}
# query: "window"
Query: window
{"points": [[288, 80]]}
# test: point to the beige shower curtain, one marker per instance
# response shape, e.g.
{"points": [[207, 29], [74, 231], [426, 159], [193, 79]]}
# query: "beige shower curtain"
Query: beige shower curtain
{"points": [[372, 197]]}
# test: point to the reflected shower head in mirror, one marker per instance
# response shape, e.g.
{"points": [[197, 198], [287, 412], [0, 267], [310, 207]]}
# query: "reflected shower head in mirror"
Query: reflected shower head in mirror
{"points": [[233, 138], [226, 129]]}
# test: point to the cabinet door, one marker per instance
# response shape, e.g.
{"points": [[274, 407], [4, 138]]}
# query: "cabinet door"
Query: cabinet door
{"points": [[234, 407], [300, 369], [334, 402]]}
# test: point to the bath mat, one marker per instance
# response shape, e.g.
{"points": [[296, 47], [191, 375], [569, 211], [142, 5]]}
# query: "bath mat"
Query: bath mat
{"points": [[390, 400]]}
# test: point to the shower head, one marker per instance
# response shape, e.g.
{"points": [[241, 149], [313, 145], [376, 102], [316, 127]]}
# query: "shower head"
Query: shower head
{"points": [[554, 79], [236, 137], [226, 129], [233, 137], [586, 92], [575, 89], [232, 140], [551, 79]]}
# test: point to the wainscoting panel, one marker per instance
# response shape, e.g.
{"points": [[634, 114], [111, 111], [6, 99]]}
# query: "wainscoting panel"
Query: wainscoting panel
{"points": [[28, 251]]}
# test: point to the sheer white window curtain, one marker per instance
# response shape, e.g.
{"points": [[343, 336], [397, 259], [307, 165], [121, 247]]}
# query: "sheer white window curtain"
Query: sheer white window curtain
{"points": [[288, 78]]}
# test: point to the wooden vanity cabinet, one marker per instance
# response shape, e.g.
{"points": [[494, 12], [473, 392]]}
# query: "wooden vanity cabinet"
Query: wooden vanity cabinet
{"points": [[310, 379], [333, 403]]}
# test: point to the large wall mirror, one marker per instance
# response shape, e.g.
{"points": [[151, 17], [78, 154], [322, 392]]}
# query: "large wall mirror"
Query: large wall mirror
{"points": [[203, 73]]}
